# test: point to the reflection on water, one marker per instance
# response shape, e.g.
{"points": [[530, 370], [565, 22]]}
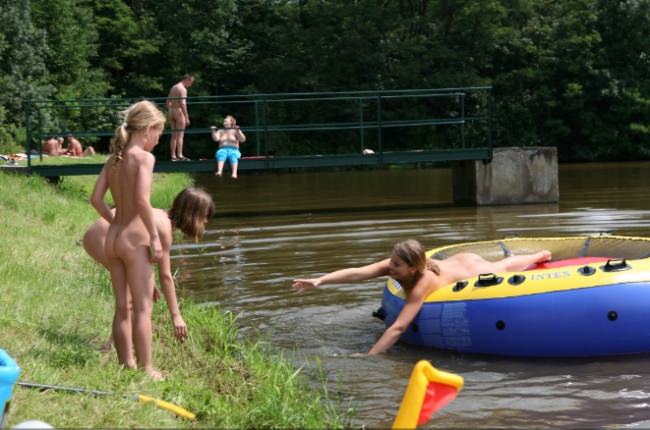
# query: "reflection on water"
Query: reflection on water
{"points": [[246, 264]]}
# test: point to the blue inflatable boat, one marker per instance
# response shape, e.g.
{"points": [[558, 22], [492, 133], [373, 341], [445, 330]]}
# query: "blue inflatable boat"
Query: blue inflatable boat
{"points": [[593, 299]]}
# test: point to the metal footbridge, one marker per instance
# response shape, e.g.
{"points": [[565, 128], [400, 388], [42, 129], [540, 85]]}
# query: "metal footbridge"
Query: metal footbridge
{"points": [[288, 130]]}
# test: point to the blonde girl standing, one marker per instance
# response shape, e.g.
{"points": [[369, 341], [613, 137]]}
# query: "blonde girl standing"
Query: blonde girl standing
{"points": [[190, 211], [132, 242]]}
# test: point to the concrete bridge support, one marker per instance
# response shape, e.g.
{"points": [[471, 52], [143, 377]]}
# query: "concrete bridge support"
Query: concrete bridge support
{"points": [[514, 176]]}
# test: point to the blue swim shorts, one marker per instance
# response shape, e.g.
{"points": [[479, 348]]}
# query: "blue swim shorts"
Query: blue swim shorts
{"points": [[229, 153]]}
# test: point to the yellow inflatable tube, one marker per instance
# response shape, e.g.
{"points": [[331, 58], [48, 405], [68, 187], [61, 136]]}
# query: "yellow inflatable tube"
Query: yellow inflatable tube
{"points": [[429, 389]]}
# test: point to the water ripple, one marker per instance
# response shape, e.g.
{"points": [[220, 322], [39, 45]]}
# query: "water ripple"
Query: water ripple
{"points": [[246, 265]]}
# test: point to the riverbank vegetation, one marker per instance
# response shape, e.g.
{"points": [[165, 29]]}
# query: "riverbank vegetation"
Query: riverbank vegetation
{"points": [[57, 311], [571, 74]]}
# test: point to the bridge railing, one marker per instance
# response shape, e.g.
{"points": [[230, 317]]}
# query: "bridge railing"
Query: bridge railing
{"points": [[276, 124]]}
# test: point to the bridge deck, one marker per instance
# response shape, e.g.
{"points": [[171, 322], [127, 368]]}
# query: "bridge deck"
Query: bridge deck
{"points": [[274, 123], [286, 162]]}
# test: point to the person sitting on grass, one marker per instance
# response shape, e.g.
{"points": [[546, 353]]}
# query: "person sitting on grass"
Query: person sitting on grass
{"points": [[74, 148], [51, 147], [419, 276], [190, 210]]}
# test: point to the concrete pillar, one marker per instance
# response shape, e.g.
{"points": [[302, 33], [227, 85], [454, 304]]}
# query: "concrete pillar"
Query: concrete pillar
{"points": [[514, 176]]}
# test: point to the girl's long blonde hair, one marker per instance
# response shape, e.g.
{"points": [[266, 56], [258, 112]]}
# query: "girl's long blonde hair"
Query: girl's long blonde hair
{"points": [[413, 255], [137, 117]]}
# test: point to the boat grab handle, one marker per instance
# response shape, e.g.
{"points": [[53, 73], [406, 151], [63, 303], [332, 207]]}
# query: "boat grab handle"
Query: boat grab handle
{"points": [[459, 286], [487, 280], [615, 265]]}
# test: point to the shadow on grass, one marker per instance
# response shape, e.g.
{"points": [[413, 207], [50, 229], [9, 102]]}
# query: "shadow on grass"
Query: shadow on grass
{"points": [[66, 349]]}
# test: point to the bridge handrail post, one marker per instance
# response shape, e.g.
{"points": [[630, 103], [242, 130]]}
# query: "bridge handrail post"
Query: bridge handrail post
{"points": [[462, 117], [257, 127], [380, 146], [28, 132], [266, 133], [361, 134], [490, 120], [40, 134]]}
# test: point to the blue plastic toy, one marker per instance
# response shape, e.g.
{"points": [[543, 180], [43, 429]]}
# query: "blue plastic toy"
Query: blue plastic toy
{"points": [[9, 372]]}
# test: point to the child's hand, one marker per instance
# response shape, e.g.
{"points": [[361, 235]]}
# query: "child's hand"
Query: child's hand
{"points": [[156, 250], [304, 284], [180, 328]]}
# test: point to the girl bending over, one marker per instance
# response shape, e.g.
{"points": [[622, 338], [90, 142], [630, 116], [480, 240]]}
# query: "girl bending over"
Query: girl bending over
{"points": [[190, 211]]}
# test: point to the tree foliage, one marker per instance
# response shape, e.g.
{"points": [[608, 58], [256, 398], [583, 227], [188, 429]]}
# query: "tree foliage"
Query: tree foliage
{"points": [[571, 74], [23, 72]]}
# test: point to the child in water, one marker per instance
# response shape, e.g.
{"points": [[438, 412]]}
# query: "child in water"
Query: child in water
{"points": [[419, 276], [190, 211]]}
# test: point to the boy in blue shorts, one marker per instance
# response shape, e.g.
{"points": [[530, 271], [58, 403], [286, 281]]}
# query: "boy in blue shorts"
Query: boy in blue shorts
{"points": [[229, 137]]}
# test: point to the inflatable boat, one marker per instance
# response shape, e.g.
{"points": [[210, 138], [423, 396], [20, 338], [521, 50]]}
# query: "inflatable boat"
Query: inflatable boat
{"points": [[592, 299]]}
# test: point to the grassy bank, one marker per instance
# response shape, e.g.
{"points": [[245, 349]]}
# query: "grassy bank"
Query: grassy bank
{"points": [[56, 311]]}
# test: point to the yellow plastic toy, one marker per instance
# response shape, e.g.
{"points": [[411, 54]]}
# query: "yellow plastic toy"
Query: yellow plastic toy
{"points": [[429, 389]]}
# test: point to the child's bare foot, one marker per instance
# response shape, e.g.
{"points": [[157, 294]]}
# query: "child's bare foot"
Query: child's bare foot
{"points": [[217, 174], [544, 256], [154, 374], [129, 365], [234, 176]]}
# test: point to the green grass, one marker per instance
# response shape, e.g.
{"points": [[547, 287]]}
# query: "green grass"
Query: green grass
{"points": [[57, 310]]}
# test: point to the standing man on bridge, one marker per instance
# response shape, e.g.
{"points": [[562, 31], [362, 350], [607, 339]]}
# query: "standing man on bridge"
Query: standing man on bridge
{"points": [[178, 116]]}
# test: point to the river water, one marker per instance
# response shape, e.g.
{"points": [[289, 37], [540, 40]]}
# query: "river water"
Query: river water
{"points": [[272, 228]]}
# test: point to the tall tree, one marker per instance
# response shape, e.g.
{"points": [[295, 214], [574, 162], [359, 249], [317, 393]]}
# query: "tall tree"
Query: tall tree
{"points": [[23, 72], [129, 48], [202, 37], [71, 63], [571, 74], [623, 119], [72, 40]]}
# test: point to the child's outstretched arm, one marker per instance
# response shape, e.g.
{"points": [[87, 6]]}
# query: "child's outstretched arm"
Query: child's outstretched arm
{"points": [[395, 331], [414, 301], [353, 274], [167, 280]]}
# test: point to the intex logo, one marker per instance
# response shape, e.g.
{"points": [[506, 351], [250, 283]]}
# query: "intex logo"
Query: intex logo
{"points": [[547, 276]]}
